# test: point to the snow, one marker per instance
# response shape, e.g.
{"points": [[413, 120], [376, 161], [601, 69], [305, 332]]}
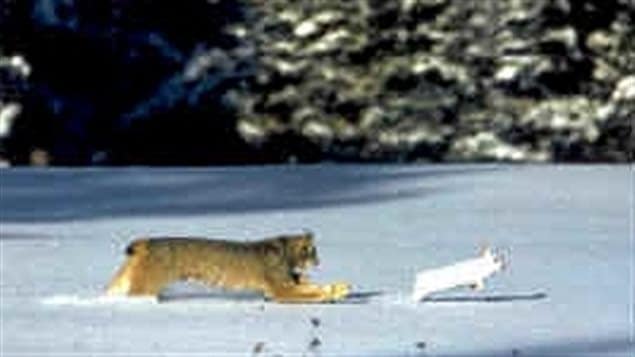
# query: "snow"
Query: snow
{"points": [[566, 229]]}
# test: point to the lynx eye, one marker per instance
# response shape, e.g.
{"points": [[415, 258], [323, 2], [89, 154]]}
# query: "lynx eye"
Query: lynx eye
{"points": [[308, 251]]}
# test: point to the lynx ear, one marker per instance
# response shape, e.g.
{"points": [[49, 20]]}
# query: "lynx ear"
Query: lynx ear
{"points": [[139, 246], [308, 233], [276, 247]]}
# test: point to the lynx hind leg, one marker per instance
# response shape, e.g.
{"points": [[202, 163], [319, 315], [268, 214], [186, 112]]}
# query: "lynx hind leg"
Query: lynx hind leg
{"points": [[140, 275], [133, 279], [120, 283]]}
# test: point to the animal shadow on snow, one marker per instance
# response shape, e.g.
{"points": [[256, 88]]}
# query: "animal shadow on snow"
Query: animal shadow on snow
{"points": [[185, 292], [486, 298]]}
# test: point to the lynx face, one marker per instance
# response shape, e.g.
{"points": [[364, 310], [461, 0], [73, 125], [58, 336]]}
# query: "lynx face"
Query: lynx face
{"points": [[301, 251]]}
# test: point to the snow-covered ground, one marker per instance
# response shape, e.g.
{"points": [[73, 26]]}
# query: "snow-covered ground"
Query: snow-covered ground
{"points": [[568, 230]]}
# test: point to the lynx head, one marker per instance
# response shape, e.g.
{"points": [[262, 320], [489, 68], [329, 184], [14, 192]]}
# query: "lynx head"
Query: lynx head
{"points": [[300, 251]]}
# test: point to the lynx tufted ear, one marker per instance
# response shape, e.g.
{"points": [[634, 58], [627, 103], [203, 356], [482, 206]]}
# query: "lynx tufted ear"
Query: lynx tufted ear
{"points": [[276, 247], [139, 246], [308, 234]]}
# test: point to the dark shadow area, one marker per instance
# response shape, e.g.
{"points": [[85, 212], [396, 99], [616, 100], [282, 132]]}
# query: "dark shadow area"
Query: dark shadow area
{"points": [[186, 291], [211, 295], [61, 194], [125, 82], [365, 294], [22, 236], [487, 298], [220, 296]]}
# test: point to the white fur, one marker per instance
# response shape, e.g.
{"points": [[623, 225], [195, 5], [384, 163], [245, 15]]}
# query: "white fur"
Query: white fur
{"points": [[471, 272]]}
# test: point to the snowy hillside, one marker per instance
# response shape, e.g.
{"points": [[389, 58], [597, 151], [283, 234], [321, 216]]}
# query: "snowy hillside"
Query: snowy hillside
{"points": [[567, 229]]}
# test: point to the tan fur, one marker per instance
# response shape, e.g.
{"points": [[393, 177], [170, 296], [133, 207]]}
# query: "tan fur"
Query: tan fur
{"points": [[272, 266]]}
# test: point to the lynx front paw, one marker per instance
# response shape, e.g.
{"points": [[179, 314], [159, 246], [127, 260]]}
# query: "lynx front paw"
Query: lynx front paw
{"points": [[337, 291]]}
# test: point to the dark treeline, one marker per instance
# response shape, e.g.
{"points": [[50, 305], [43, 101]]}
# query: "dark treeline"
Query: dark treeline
{"points": [[117, 82]]}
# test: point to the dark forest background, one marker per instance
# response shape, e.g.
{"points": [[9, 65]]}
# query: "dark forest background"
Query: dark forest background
{"points": [[197, 82]]}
